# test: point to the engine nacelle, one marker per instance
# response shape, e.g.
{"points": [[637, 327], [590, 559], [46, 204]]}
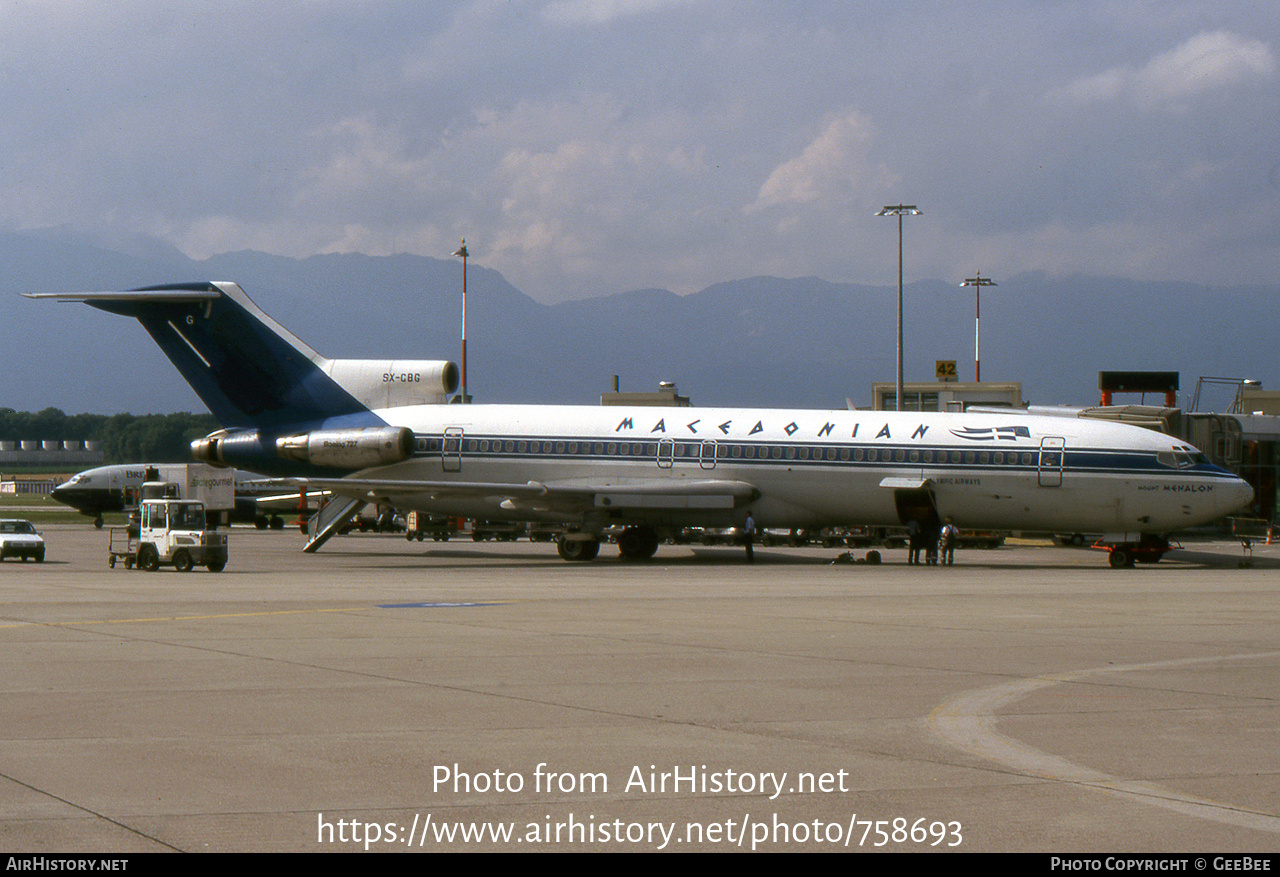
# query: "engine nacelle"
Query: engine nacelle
{"points": [[206, 450], [244, 449], [349, 448], [391, 383]]}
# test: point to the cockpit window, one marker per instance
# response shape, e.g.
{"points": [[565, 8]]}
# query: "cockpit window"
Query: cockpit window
{"points": [[1181, 458]]}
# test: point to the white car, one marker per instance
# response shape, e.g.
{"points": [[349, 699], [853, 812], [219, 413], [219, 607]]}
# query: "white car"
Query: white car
{"points": [[20, 539]]}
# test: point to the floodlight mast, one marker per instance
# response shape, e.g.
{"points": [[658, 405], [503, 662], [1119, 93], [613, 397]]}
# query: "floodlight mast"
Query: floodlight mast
{"points": [[977, 282], [899, 210], [462, 251]]}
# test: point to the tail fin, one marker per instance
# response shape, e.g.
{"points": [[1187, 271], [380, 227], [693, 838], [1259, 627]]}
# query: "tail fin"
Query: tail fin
{"points": [[244, 365]]}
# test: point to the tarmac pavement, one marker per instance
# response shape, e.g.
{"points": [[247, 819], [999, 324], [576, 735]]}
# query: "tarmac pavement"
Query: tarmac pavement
{"points": [[396, 696]]}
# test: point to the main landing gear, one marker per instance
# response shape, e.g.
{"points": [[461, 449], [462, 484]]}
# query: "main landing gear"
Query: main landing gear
{"points": [[577, 549], [634, 543], [638, 543]]}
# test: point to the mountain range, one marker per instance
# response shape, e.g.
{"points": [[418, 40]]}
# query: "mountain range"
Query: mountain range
{"points": [[766, 341]]}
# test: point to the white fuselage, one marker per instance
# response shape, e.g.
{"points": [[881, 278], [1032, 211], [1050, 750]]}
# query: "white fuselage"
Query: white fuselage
{"points": [[818, 468]]}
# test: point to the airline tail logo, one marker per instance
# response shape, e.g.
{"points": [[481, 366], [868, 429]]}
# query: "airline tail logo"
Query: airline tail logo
{"points": [[991, 433]]}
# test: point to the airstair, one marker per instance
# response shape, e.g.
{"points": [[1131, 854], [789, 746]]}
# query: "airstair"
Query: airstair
{"points": [[330, 519]]}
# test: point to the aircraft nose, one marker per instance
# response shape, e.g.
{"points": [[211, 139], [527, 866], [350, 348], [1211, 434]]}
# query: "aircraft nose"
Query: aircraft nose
{"points": [[1239, 493]]}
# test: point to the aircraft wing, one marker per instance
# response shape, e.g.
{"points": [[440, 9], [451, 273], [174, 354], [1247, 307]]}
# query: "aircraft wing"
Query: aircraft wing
{"points": [[538, 496]]}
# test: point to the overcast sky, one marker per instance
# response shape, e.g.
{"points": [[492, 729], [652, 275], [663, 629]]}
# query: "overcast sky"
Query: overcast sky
{"points": [[586, 147]]}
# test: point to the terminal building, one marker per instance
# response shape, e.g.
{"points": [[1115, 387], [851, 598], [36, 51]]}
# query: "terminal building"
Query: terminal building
{"points": [[947, 395]]}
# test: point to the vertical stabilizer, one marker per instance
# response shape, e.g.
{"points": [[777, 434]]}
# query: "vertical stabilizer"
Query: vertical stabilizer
{"points": [[244, 365]]}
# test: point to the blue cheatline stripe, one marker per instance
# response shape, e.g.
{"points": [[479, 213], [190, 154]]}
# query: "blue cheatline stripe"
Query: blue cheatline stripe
{"points": [[1092, 461]]}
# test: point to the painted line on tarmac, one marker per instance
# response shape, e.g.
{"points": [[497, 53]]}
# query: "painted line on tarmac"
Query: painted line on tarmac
{"points": [[156, 618], [968, 722], [153, 619], [443, 605]]}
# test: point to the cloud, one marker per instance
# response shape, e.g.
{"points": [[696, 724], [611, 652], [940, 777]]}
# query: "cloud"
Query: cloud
{"points": [[571, 12], [1206, 63], [829, 169], [601, 145]]}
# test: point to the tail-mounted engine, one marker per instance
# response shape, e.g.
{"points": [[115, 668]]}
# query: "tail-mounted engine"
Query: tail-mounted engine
{"points": [[393, 383], [349, 448], [330, 448]]}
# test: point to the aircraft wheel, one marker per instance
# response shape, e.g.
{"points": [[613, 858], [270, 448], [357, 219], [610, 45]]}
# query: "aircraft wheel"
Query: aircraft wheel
{"points": [[578, 549], [260, 522], [637, 543], [97, 522], [277, 522], [148, 559], [182, 560]]}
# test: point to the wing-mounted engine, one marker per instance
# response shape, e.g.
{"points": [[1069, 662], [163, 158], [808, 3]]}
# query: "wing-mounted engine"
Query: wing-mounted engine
{"points": [[390, 383]]}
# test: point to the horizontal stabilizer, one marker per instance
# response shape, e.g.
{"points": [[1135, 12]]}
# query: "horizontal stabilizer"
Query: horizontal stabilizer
{"points": [[167, 294]]}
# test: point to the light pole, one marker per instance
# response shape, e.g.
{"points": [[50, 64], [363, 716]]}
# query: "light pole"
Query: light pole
{"points": [[462, 251], [899, 210], [977, 282]]}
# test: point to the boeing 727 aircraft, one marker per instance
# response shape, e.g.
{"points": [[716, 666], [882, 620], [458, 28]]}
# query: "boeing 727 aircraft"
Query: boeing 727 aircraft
{"points": [[345, 427]]}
